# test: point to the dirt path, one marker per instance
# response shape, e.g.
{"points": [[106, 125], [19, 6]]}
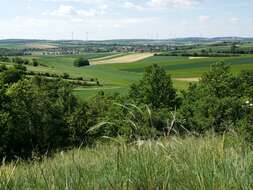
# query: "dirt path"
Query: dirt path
{"points": [[125, 59], [106, 57], [197, 57], [97, 88], [187, 79]]}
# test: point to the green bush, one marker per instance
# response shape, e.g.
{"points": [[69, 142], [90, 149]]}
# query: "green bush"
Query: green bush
{"points": [[81, 61], [35, 62], [10, 76], [155, 89], [33, 116], [117, 116], [220, 101]]}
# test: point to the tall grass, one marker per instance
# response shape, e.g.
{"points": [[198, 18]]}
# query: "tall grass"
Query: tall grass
{"points": [[191, 163]]}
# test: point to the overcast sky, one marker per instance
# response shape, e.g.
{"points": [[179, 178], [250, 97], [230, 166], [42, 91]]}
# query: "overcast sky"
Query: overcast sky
{"points": [[124, 19]]}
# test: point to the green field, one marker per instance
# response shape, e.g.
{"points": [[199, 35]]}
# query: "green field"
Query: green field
{"points": [[185, 67], [118, 77]]}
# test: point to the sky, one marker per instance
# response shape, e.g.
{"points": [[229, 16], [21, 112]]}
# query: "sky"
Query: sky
{"points": [[124, 19]]}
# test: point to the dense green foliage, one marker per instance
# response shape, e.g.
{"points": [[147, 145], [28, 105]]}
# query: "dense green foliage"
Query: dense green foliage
{"points": [[11, 52], [39, 115], [221, 101], [155, 89], [23, 61], [4, 59], [33, 114], [81, 61]]}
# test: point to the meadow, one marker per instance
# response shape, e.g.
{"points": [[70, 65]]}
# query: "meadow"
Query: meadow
{"points": [[208, 162], [118, 77]]}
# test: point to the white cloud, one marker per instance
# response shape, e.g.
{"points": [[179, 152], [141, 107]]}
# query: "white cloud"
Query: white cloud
{"points": [[131, 5], [78, 1], [123, 23], [68, 11], [204, 18], [234, 20], [173, 3], [64, 10]]}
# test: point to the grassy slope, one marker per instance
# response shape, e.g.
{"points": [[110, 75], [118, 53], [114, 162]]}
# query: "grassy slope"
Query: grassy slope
{"points": [[12, 46], [209, 163]]}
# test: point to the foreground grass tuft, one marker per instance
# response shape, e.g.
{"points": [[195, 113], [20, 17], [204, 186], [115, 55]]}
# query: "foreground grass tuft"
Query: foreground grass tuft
{"points": [[190, 163]]}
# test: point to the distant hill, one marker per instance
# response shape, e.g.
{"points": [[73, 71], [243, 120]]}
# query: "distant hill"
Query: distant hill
{"points": [[174, 41], [21, 41]]}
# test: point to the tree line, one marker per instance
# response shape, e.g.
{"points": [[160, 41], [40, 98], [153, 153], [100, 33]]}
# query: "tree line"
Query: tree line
{"points": [[12, 52], [20, 60]]}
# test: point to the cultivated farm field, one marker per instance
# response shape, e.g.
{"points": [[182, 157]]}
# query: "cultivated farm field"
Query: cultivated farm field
{"points": [[129, 58], [118, 77]]}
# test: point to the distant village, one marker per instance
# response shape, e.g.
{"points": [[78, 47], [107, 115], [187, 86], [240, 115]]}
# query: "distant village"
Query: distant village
{"points": [[99, 49]]}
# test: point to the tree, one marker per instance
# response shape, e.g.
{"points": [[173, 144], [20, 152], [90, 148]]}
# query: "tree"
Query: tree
{"points": [[4, 59], [219, 81], [81, 61], [18, 60], [33, 117], [216, 103], [3, 67], [35, 62], [10, 76], [26, 62], [246, 83], [155, 89], [234, 48], [65, 76], [80, 122]]}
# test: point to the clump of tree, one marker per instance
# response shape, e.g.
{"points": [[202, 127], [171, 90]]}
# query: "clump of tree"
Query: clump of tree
{"points": [[35, 62], [3, 67], [22, 61], [77, 81], [155, 89], [12, 52], [4, 59], [81, 61], [33, 115], [11, 75], [221, 102]]}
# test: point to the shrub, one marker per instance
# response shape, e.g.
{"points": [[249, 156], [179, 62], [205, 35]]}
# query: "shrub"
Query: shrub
{"points": [[4, 59], [18, 60], [155, 89], [217, 102], [3, 67], [35, 62], [81, 61], [65, 76], [33, 116], [10, 76]]}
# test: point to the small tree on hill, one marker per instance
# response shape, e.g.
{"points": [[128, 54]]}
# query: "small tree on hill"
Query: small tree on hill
{"points": [[65, 76], [35, 62], [81, 61], [155, 89]]}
